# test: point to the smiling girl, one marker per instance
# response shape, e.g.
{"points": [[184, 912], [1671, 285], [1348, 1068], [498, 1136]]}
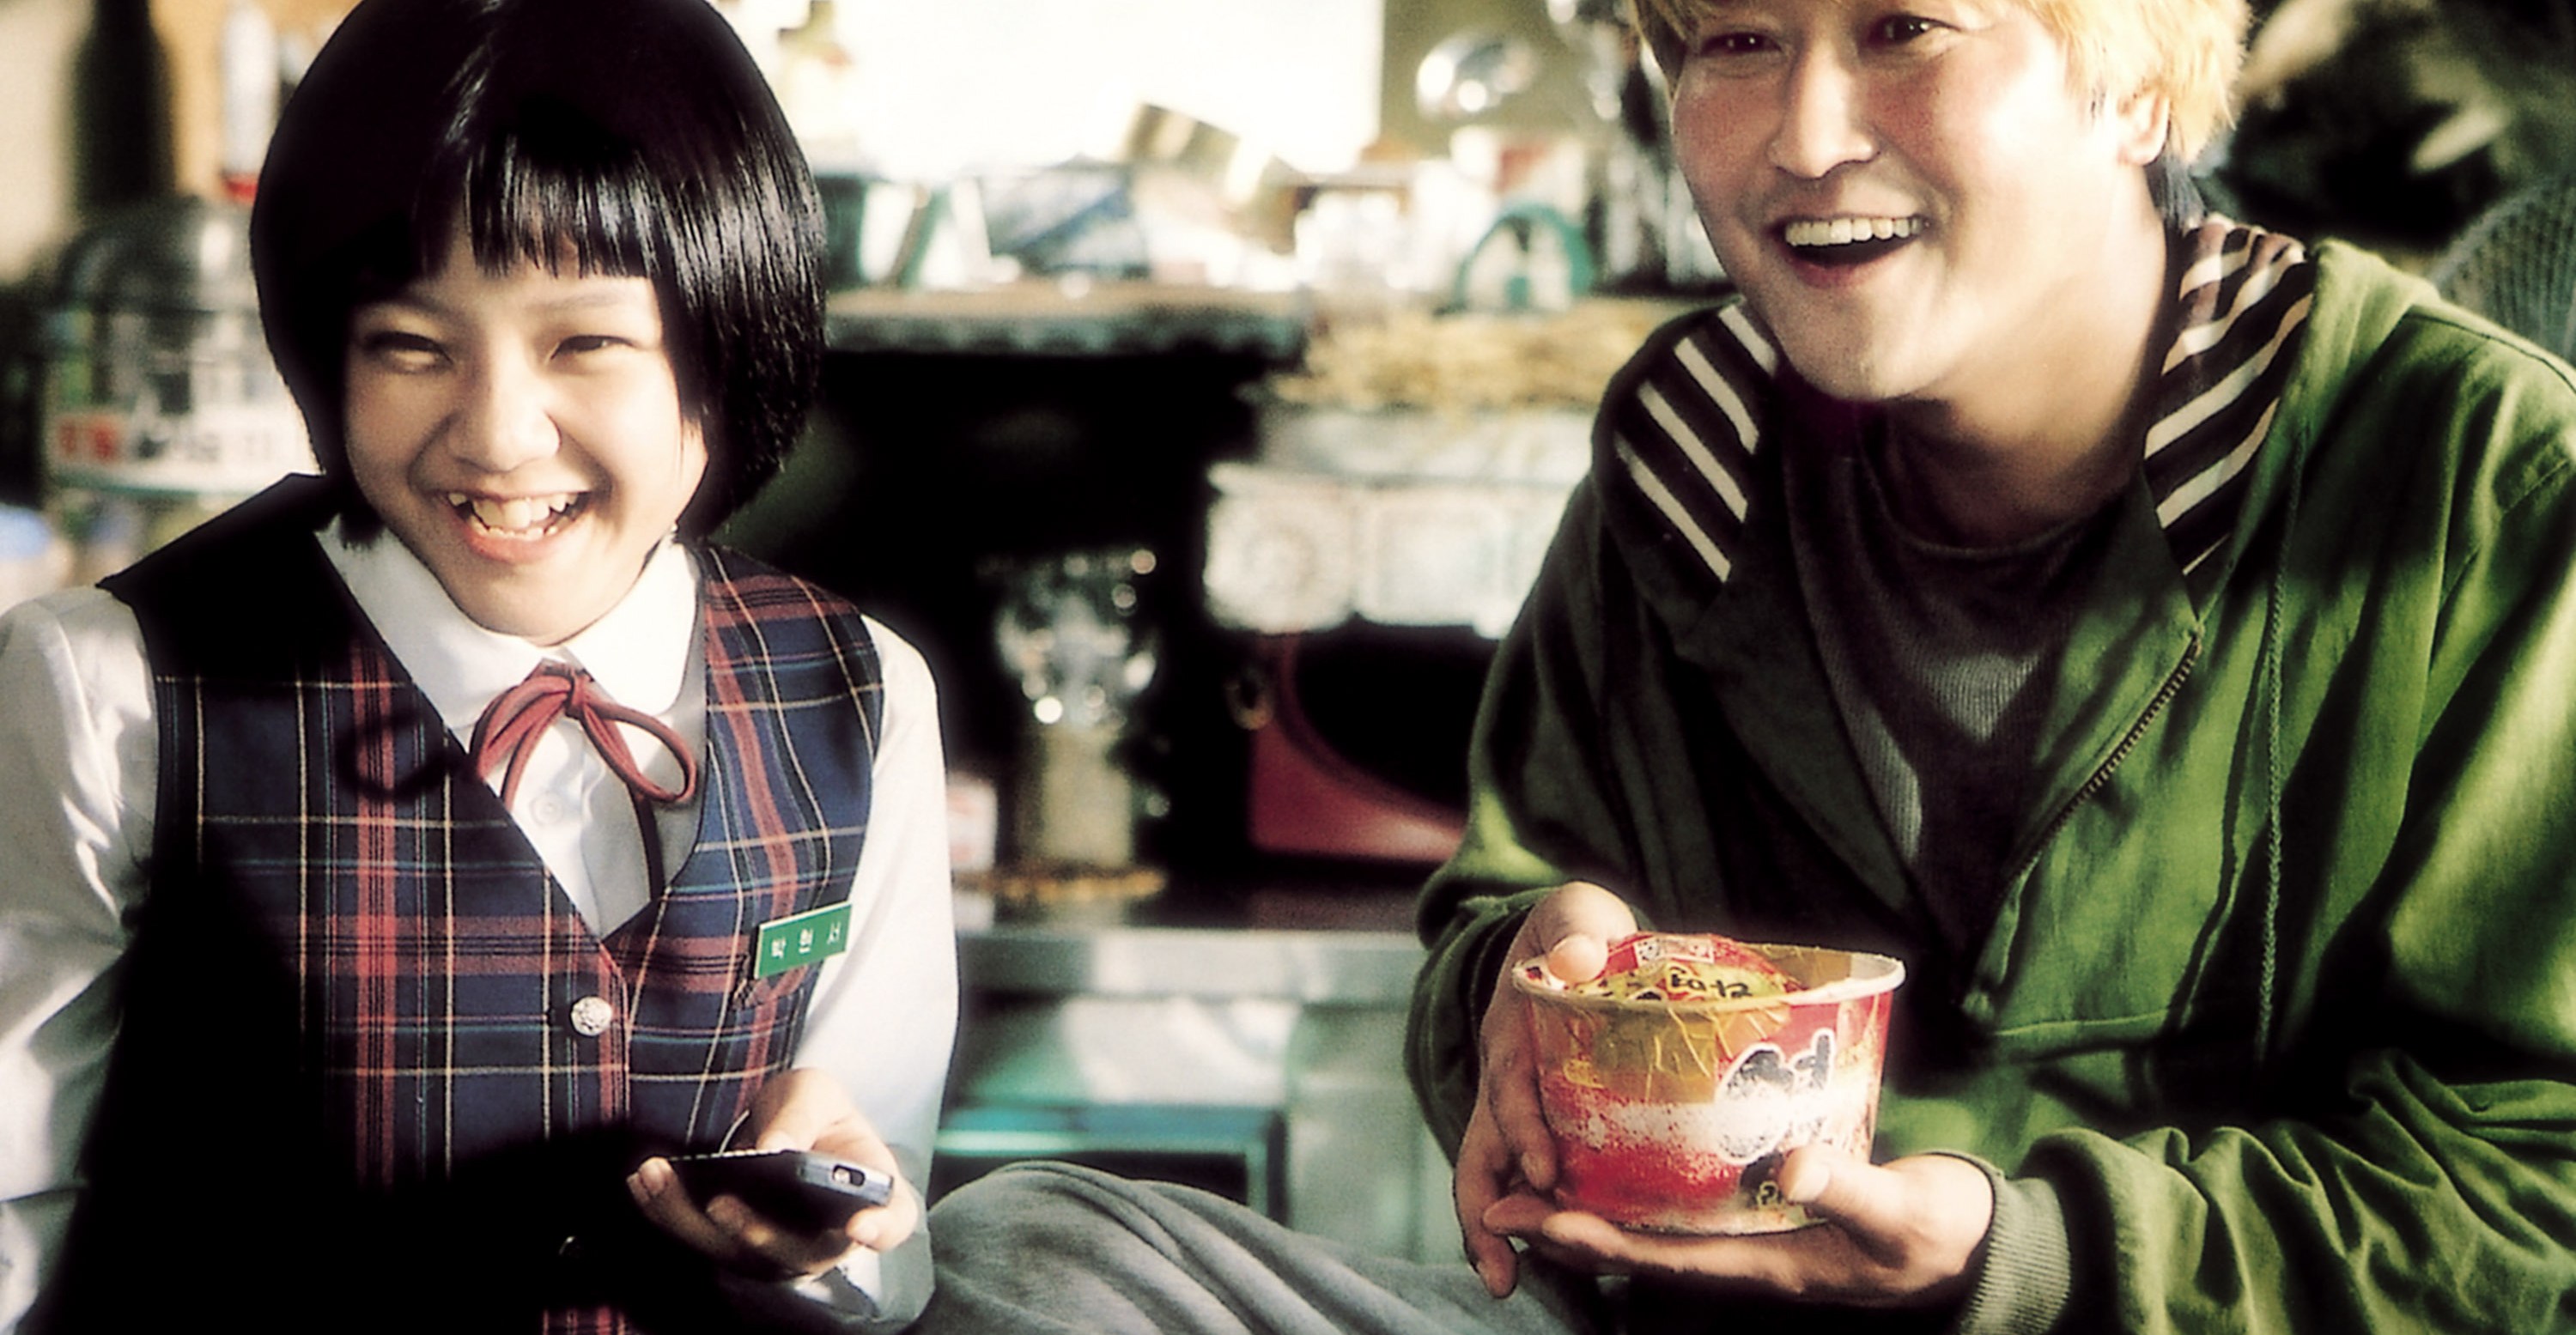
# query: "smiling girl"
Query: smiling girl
{"points": [[406, 862]]}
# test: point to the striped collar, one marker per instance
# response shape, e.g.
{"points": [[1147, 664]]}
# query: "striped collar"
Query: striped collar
{"points": [[1691, 424]]}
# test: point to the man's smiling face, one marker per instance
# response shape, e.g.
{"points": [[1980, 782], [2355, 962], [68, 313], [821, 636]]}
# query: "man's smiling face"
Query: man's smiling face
{"points": [[1909, 193]]}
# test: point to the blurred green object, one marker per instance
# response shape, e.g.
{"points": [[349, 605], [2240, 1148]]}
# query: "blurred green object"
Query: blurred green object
{"points": [[2516, 265], [2395, 123]]}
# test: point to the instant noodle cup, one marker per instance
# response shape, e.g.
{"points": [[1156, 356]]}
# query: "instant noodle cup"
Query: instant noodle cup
{"points": [[1675, 1081]]}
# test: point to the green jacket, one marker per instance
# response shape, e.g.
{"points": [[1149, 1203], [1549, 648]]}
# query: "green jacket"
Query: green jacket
{"points": [[2278, 1011]]}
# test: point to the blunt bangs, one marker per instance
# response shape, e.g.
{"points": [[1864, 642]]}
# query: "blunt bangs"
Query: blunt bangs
{"points": [[554, 193], [625, 138]]}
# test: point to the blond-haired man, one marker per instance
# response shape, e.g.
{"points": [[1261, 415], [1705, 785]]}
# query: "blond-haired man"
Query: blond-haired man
{"points": [[2155, 632]]}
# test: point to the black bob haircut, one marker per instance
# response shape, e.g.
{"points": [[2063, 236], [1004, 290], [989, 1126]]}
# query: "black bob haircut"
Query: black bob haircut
{"points": [[632, 138]]}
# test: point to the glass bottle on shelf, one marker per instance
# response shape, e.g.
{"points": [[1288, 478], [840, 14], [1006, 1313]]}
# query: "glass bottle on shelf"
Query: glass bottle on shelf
{"points": [[121, 110], [818, 89], [160, 405], [249, 63], [818, 78]]}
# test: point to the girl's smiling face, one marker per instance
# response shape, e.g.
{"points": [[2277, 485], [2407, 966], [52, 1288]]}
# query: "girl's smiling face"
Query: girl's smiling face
{"points": [[522, 433]]}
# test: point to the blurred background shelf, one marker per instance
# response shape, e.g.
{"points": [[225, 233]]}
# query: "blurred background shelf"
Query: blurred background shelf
{"points": [[1070, 320]]}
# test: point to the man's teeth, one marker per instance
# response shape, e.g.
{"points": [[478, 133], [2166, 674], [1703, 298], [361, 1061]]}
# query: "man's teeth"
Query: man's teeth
{"points": [[521, 512], [1845, 231]]}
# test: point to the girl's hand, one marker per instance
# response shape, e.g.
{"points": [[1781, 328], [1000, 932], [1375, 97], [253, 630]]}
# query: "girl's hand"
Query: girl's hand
{"points": [[801, 1109]]}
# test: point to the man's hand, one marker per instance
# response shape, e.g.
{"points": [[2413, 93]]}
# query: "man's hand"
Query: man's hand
{"points": [[1900, 1235], [801, 1109], [1506, 1147]]}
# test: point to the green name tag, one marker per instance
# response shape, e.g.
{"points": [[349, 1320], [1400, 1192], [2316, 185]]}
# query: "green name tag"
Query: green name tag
{"points": [[788, 942]]}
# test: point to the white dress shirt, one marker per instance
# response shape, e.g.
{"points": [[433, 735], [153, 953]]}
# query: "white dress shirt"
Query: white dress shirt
{"points": [[77, 783]]}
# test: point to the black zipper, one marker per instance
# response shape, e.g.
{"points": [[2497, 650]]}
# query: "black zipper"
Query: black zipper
{"points": [[2172, 687]]}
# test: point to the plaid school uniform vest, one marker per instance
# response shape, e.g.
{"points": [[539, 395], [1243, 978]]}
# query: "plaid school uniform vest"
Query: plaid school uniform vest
{"points": [[355, 957]]}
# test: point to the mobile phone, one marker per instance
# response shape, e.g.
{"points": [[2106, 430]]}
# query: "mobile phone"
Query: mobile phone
{"points": [[798, 1188]]}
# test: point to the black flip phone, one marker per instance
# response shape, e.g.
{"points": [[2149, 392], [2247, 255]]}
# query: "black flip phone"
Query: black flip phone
{"points": [[798, 1188]]}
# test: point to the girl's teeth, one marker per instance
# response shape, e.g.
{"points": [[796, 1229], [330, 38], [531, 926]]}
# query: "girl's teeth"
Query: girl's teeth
{"points": [[1845, 231], [512, 515]]}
